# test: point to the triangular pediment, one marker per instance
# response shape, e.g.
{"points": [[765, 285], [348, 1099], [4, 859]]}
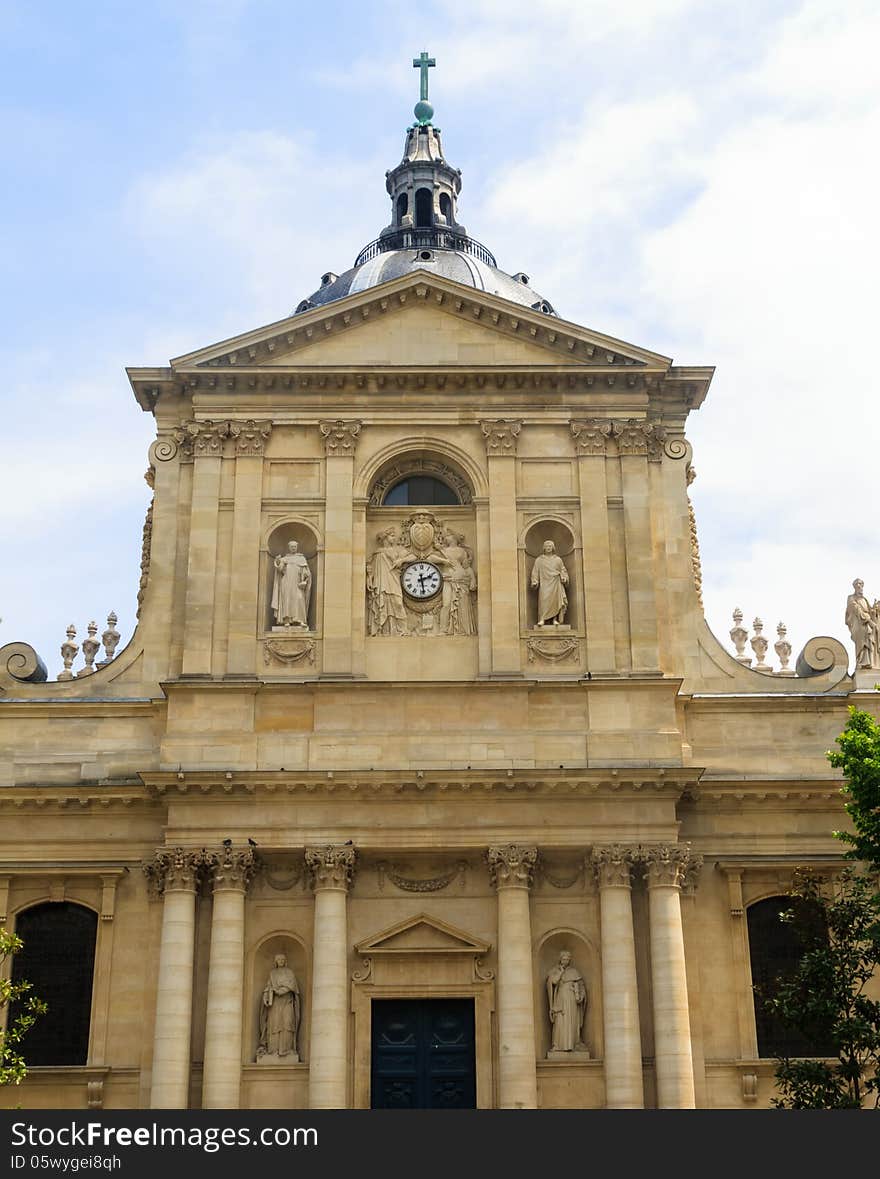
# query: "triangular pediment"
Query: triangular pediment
{"points": [[422, 935], [420, 320]]}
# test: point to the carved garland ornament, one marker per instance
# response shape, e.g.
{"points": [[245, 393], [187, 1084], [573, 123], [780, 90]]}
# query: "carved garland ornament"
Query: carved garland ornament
{"points": [[553, 651], [430, 884], [289, 651], [696, 564], [146, 545]]}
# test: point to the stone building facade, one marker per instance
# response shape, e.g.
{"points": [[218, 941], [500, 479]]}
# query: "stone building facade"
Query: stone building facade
{"points": [[422, 780]]}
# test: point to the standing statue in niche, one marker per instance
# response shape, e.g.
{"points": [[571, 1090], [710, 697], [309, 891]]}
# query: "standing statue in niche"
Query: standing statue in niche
{"points": [[567, 1003], [550, 577], [292, 589], [863, 621], [387, 614], [279, 1012]]}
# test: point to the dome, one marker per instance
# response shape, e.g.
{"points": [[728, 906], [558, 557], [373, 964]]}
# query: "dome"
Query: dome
{"points": [[459, 263], [425, 233]]}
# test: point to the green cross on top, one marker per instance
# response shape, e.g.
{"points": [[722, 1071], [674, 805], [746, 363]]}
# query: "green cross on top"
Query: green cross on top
{"points": [[423, 63]]}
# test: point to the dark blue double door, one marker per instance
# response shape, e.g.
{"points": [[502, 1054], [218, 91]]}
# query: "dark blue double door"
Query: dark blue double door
{"points": [[423, 1054]]}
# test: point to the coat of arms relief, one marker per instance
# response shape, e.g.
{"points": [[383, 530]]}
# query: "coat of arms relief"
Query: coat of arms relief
{"points": [[421, 580]]}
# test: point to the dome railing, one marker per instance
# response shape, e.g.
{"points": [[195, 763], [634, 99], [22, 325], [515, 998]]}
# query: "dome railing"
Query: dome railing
{"points": [[430, 238]]}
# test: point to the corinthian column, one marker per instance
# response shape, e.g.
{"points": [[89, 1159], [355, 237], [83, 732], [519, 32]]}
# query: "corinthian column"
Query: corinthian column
{"points": [[231, 872], [511, 869], [331, 871], [620, 994], [673, 1058], [175, 873]]}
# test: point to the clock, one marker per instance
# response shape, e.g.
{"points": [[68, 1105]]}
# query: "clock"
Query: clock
{"points": [[421, 580]]}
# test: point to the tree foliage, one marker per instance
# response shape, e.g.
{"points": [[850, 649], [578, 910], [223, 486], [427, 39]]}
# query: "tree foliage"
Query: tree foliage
{"points": [[824, 998], [859, 758], [12, 1064]]}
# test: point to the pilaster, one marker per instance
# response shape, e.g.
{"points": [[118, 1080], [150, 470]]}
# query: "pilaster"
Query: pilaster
{"points": [[500, 437], [591, 444], [340, 442]]}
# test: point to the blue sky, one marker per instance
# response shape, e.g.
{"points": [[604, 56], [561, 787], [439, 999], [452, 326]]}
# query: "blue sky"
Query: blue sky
{"points": [[696, 177]]}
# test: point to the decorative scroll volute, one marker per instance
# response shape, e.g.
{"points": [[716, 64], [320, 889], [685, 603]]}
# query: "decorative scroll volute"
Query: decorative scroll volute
{"points": [[612, 865], [331, 866], [340, 437], [500, 437], [175, 869], [512, 866], [230, 868], [591, 436]]}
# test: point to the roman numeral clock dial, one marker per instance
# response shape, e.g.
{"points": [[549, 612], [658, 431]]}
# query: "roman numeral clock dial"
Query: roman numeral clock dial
{"points": [[421, 580]]}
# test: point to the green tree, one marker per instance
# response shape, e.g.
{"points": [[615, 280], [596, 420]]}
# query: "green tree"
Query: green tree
{"points": [[12, 1064], [859, 758], [824, 998]]}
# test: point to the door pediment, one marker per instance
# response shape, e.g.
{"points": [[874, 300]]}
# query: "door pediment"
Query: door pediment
{"points": [[422, 934]]}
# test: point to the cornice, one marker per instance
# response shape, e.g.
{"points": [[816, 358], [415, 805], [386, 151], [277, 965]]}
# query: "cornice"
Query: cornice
{"points": [[418, 784], [75, 798], [735, 793]]}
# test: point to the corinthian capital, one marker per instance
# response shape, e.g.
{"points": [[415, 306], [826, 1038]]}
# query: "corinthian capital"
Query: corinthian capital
{"points": [[331, 866], [500, 437], [175, 869], [340, 437], [201, 438], [612, 865], [633, 436], [231, 869], [665, 864], [250, 436], [591, 436], [512, 866]]}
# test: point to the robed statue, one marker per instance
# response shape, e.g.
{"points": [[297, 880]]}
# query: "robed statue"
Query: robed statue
{"points": [[567, 1003], [279, 1011], [863, 621], [292, 588], [550, 577]]}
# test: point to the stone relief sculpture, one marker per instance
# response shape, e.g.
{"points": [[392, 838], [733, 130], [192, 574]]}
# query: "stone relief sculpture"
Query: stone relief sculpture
{"points": [[863, 621], [550, 577], [279, 1015], [567, 1004], [457, 614], [387, 615], [421, 580], [292, 588]]}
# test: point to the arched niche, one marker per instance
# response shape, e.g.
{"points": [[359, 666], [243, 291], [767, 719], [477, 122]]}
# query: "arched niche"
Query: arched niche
{"points": [[277, 544], [585, 957], [262, 961], [563, 538]]}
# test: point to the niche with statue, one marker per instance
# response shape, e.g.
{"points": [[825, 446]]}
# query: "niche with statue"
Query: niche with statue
{"points": [[550, 591], [292, 580]]}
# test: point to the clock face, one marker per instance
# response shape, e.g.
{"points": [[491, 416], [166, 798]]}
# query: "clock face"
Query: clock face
{"points": [[421, 580]]}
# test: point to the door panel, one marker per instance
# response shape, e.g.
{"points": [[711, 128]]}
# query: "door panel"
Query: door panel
{"points": [[423, 1054]]}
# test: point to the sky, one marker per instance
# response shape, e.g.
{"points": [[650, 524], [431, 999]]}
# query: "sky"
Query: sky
{"points": [[698, 178]]}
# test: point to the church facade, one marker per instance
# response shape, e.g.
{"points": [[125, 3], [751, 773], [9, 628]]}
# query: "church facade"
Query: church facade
{"points": [[422, 781]]}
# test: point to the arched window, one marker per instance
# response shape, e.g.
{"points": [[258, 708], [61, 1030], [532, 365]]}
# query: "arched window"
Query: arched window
{"points": [[422, 490], [446, 207], [402, 207], [424, 208], [58, 959], [775, 949]]}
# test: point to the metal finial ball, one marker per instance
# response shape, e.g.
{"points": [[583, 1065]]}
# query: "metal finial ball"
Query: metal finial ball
{"points": [[424, 112]]}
